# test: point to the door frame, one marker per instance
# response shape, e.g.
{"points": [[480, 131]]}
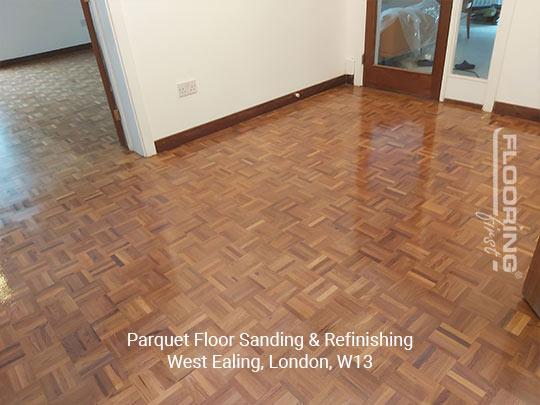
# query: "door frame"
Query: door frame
{"points": [[399, 80], [105, 79], [531, 287]]}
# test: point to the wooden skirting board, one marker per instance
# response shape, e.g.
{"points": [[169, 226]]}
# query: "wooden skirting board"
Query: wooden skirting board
{"points": [[47, 54], [513, 110], [183, 137], [463, 103]]}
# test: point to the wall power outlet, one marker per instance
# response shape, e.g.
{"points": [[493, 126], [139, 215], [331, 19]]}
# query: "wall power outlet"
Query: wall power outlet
{"points": [[187, 88]]}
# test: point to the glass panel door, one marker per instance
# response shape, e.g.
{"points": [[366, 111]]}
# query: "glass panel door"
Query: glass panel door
{"points": [[407, 34], [406, 44]]}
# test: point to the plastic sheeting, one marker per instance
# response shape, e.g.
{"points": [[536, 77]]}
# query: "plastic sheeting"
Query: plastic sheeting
{"points": [[419, 23]]}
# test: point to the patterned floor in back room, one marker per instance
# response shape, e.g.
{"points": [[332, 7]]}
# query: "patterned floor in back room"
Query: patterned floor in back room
{"points": [[351, 210]]}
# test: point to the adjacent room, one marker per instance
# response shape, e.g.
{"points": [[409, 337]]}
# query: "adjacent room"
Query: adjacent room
{"points": [[477, 34], [53, 106], [282, 202]]}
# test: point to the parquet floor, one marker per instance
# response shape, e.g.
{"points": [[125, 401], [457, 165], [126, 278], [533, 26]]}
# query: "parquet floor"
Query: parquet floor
{"points": [[352, 210]]}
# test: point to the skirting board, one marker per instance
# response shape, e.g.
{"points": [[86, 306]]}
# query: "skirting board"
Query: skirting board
{"points": [[463, 104], [47, 54], [183, 137], [527, 113]]}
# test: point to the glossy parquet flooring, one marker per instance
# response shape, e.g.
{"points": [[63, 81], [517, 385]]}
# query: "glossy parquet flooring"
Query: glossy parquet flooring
{"points": [[352, 210]]}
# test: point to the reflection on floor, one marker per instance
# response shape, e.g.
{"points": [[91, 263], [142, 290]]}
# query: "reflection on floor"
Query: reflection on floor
{"points": [[350, 211], [477, 50]]}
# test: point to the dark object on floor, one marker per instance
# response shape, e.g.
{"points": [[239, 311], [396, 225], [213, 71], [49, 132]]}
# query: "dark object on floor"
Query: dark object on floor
{"points": [[391, 63], [424, 62], [464, 66]]}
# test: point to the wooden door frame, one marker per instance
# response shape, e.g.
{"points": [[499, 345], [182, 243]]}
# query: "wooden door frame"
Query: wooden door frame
{"points": [[115, 113], [531, 287], [395, 79]]}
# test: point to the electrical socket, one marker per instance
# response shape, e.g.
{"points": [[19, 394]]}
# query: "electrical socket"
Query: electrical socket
{"points": [[187, 88]]}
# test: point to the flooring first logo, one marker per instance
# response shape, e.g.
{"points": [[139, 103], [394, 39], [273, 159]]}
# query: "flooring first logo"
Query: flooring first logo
{"points": [[501, 225]]}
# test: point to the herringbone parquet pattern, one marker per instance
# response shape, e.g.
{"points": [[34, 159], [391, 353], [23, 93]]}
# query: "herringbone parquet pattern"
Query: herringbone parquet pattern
{"points": [[352, 210]]}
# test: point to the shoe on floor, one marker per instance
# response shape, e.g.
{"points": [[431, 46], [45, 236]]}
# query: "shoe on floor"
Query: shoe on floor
{"points": [[424, 62], [465, 66]]}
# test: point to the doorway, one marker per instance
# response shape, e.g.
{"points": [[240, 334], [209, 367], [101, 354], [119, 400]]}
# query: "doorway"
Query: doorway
{"points": [[103, 73], [406, 43], [41, 39], [477, 44]]}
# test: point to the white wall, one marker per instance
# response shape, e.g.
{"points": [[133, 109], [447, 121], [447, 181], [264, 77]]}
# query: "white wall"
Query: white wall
{"points": [[28, 27], [241, 52], [520, 78], [356, 32]]}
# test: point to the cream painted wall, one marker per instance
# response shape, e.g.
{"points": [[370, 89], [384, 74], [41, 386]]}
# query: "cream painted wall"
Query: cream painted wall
{"points": [[520, 77], [28, 27], [241, 52], [356, 28]]}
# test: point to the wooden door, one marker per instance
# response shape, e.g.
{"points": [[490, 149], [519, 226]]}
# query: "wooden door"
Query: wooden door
{"points": [[406, 43], [103, 73], [531, 289]]}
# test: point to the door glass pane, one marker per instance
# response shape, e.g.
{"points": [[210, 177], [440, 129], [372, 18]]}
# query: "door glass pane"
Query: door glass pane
{"points": [[407, 34], [479, 23]]}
